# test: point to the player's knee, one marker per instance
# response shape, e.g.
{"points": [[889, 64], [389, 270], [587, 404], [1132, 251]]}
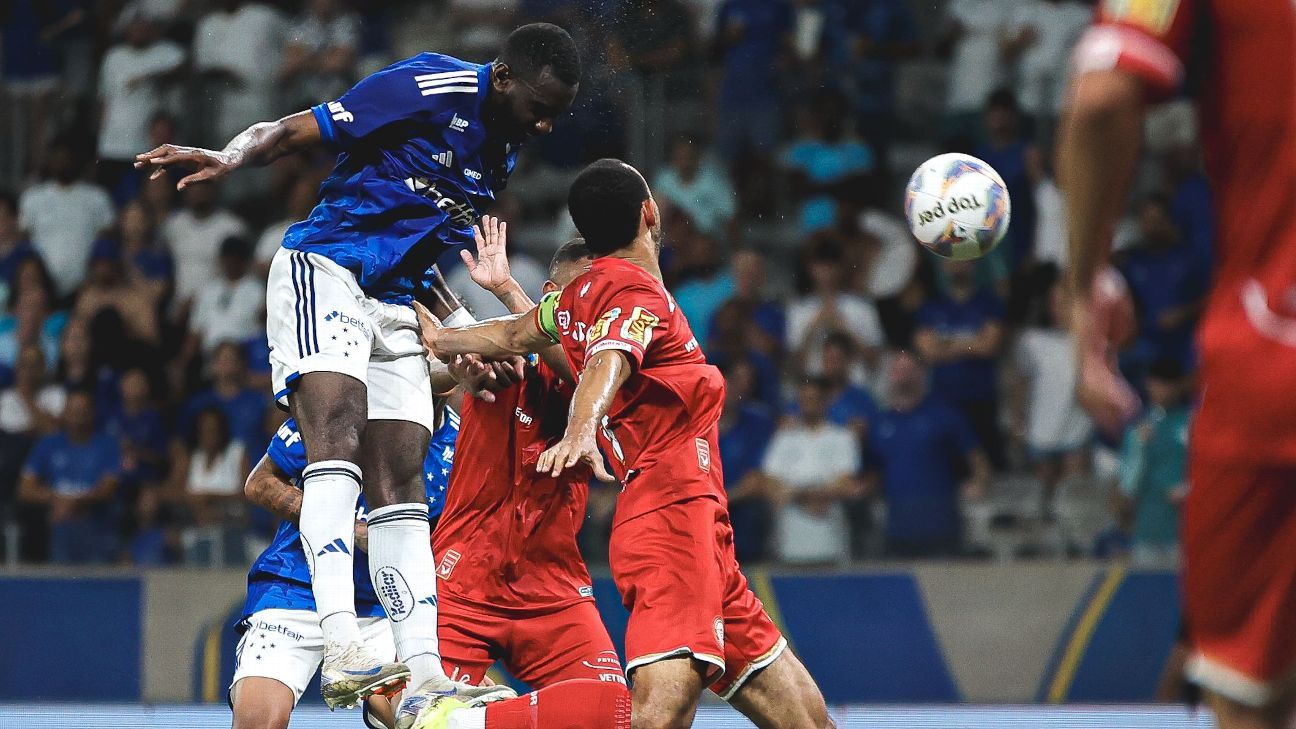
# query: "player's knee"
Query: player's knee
{"points": [[262, 717], [663, 712], [331, 411]]}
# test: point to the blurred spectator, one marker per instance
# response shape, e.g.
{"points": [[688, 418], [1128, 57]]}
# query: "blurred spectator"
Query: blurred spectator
{"points": [[891, 256], [320, 57], [704, 282], [108, 289], [828, 307], [970, 37], [30, 319], [733, 334], [1169, 282], [918, 449], [1038, 39], [73, 473], [961, 334], [64, 215], [1006, 149], [824, 160], [230, 308], [131, 79], [229, 393], [1050, 212], [764, 313], [14, 247], [236, 48], [30, 67], [848, 403], [1051, 421], [1153, 477], [194, 236], [148, 264], [33, 406], [696, 186], [139, 430], [301, 199], [1191, 201], [654, 39], [745, 430], [879, 34], [210, 477], [810, 493]]}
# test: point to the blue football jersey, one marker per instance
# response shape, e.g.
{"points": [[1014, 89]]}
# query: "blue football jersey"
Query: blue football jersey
{"points": [[414, 167], [280, 578]]}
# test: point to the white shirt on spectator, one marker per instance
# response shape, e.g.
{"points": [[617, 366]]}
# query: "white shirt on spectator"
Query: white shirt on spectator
{"points": [[195, 245], [893, 267], [483, 304], [315, 35], [976, 68], [859, 318], [228, 311], [1050, 224], [804, 457], [1042, 68], [1054, 419], [271, 241], [128, 106], [709, 200], [248, 43], [64, 221], [15, 417], [223, 476]]}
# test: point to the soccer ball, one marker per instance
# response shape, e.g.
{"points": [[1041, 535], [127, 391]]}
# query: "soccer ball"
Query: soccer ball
{"points": [[957, 206]]}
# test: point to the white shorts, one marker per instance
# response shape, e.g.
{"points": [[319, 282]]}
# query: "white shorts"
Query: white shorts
{"points": [[288, 646], [319, 320]]}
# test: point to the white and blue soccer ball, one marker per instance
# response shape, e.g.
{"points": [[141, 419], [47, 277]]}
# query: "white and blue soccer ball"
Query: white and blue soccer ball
{"points": [[957, 206]]}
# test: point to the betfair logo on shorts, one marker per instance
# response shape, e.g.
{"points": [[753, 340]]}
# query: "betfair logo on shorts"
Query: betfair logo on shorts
{"points": [[350, 321], [283, 630], [394, 593]]}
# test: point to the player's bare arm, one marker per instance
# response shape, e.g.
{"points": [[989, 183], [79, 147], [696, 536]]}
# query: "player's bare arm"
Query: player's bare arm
{"points": [[270, 488], [603, 375], [259, 144], [1097, 150], [495, 339]]}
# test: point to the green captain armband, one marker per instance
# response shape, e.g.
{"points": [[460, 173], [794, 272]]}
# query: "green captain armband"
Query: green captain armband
{"points": [[547, 315]]}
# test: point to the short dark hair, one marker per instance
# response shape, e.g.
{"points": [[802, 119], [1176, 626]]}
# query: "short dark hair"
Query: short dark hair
{"points": [[531, 48], [605, 203], [1005, 99], [569, 252]]}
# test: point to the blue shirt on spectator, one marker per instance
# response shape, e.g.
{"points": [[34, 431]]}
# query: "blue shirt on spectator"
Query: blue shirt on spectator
{"points": [[244, 411], [144, 430], [881, 22], [743, 443], [918, 453], [852, 405], [823, 163], [970, 379], [70, 468], [1010, 162], [1161, 279], [700, 298], [750, 74]]}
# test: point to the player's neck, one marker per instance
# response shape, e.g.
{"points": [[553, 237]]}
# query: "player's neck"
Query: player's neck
{"points": [[642, 254]]}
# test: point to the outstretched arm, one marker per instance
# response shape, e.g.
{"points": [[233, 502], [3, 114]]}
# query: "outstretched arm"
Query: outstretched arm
{"points": [[494, 339], [603, 375], [260, 144]]}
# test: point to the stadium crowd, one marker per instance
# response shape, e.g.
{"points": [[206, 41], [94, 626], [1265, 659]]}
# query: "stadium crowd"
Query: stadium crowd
{"points": [[881, 402]]}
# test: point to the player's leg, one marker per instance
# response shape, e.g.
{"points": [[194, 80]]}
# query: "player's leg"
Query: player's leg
{"points": [[321, 377], [576, 704], [1239, 541], [665, 693], [279, 652], [261, 703], [782, 696]]}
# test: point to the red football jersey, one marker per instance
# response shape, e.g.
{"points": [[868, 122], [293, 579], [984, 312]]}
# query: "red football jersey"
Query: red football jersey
{"points": [[1239, 55], [665, 416], [506, 540]]}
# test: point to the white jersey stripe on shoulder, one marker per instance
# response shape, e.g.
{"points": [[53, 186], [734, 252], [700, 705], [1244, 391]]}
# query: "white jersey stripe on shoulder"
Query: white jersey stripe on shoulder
{"points": [[450, 90], [447, 74], [447, 82]]}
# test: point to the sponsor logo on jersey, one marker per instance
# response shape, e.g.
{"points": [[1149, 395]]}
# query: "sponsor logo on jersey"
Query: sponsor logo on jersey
{"points": [[447, 82], [448, 562], [585, 289], [445, 158], [288, 435], [472, 174], [522, 417], [458, 123], [718, 627], [639, 327], [586, 591], [1152, 15], [564, 320], [461, 214], [704, 454], [603, 324], [395, 593], [339, 113]]}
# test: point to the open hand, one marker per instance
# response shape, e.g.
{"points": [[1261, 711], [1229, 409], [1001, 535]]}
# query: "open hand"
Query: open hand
{"points": [[572, 450], [490, 270], [207, 164]]}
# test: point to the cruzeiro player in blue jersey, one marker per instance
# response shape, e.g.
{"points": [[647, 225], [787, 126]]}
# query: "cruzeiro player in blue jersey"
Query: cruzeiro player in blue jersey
{"points": [[281, 642], [423, 145]]}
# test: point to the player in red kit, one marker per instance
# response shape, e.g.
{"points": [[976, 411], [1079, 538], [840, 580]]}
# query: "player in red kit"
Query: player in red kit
{"points": [[1239, 523], [512, 583], [648, 396]]}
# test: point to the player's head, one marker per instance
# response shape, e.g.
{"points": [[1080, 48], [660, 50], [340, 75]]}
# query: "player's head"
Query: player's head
{"points": [[533, 82], [570, 260], [612, 207]]}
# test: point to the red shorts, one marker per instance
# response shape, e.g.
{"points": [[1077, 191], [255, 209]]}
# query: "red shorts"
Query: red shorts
{"points": [[678, 577], [540, 649], [1239, 544]]}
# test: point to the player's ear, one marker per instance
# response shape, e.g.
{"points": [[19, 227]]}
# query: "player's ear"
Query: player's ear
{"points": [[650, 213], [549, 286], [501, 76]]}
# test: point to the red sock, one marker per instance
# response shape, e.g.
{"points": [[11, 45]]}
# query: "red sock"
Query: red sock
{"points": [[580, 703]]}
